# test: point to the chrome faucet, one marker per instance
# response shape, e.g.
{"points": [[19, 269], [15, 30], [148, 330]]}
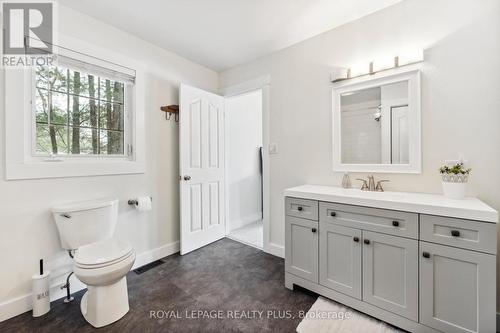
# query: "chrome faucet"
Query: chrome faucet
{"points": [[369, 185]]}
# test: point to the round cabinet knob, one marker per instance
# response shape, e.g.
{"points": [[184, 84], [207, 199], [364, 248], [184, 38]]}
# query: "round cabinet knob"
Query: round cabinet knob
{"points": [[313, 230], [455, 233], [366, 241], [395, 223], [426, 254], [186, 177], [356, 239], [299, 209], [333, 214]]}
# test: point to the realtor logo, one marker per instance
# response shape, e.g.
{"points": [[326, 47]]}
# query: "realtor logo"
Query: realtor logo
{"points": [[28, 33], [27, 28]]}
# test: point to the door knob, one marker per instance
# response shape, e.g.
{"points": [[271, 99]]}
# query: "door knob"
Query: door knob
{"points": [[366, 241], [426, 254], [356, 239], [186, 177], [313, 229], [299, 209], [333, 214]]}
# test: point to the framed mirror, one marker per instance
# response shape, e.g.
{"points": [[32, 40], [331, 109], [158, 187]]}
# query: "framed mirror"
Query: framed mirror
{"points": [[376, 123]]}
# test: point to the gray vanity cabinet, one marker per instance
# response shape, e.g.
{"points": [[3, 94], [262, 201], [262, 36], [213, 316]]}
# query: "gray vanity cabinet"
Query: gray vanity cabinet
{"points": [[390, 273], [457, 289], [340, 259], [423, 264], [302, 253]]}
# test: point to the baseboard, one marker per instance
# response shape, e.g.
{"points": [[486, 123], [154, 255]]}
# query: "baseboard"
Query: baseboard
{"points": [[22, 304], [276, 250]]}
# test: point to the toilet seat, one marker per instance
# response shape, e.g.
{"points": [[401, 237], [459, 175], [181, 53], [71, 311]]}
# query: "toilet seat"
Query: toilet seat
{"points": [[102, 254]]}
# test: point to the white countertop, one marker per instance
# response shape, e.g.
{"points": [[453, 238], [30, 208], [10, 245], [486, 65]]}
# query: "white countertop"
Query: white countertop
{"points": [[433, 204]]}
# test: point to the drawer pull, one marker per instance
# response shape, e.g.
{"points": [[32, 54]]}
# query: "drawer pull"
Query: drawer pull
{"points": [[356, 239], [455, 233], [395, 223], [333, 214], [299, 209], [426, 254], [313, 230], [366, 241]]}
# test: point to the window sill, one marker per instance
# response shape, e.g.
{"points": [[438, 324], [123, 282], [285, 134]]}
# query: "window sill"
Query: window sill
{"points": [[71, 168]]}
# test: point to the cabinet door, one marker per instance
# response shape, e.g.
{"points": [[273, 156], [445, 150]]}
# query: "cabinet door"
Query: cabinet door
{"points": [[457, 289], [340, 259], [390, 273], [301, 248]]}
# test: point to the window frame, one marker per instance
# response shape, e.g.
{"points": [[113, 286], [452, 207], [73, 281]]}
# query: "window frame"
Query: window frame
{"points": [[21, 163]]}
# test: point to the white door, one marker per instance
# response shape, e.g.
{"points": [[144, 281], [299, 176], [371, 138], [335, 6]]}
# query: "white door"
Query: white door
{"points": [[390, 273], [201, 142], [400, 135]]}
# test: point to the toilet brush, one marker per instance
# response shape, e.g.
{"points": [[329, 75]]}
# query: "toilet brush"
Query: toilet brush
{"points": [[40, 292]]}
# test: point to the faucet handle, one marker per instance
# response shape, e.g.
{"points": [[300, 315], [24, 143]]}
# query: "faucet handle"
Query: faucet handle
{"points": [[364, 187], [379, 187]]}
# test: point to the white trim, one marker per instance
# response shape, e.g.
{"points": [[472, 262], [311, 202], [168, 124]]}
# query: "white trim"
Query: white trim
{"points": [[22, 304], [236, 239], [19, 162], [276, 250], [263, 83], [247, 86], [410, 74]]}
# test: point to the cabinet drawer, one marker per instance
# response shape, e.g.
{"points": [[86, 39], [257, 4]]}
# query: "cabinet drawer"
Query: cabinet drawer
{"points": [[372, 219], [306, 209], [467, 234]]}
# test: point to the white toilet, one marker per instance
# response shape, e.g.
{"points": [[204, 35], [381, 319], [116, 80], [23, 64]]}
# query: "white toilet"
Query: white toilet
{"points": [[100, 261]]}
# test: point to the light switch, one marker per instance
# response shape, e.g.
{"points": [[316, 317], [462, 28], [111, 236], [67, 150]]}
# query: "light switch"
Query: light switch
{"points": [[273, 148]]}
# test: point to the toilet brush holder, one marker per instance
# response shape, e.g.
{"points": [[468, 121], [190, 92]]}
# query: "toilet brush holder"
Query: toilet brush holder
{"points": [[40, 292]]}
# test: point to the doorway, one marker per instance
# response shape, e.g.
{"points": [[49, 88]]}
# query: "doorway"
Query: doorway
{"points": [[244, 168]]}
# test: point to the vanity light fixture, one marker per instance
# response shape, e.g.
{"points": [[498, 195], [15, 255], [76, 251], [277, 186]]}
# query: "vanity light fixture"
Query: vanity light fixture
{"points": [[377, 65]]}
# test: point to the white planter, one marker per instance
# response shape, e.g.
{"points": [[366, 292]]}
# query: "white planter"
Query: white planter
{"points": [[454, 190]]}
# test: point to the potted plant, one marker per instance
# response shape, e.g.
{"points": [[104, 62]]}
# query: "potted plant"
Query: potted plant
{"points": [[454, 179]]}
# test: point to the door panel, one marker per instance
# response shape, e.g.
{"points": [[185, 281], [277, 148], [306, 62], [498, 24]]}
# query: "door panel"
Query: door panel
{"points": [[301, 248], [201, 145], [390, 273], [340, 259], [455, 293]]}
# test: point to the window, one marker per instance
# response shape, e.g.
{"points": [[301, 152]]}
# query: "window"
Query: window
{"points": [[84, 116], [78, 113]]}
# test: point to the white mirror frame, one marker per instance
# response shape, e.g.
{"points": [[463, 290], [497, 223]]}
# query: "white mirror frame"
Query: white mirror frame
{"points": [[412, 76]]}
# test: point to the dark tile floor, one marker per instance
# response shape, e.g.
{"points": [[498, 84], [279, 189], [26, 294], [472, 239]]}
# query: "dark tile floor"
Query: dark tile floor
{"points": [[225, 276]]}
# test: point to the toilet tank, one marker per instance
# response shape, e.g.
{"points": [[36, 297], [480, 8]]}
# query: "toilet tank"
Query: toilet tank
{"points": [[85, 222]]}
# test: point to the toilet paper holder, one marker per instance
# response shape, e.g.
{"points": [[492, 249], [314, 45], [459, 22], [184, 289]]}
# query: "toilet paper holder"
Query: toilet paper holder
{"points": [[135, 202]]}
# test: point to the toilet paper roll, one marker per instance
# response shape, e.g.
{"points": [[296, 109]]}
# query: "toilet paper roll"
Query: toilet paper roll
{"points": [[40, 294], [143, 204]]}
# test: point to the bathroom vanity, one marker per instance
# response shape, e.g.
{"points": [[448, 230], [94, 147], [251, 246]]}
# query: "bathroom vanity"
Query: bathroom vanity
{"points": [[422, 262]]}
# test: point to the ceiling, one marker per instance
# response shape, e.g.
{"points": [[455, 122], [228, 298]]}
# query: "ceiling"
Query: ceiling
{"points": [[221, 34]]}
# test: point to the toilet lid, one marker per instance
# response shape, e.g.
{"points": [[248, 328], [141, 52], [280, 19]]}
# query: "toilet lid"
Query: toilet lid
{"points": [[102, 252]]}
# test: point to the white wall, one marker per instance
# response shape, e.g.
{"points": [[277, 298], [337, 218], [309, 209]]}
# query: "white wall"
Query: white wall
{"points": [[243, 140], [460, 95], [27, 231]]}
